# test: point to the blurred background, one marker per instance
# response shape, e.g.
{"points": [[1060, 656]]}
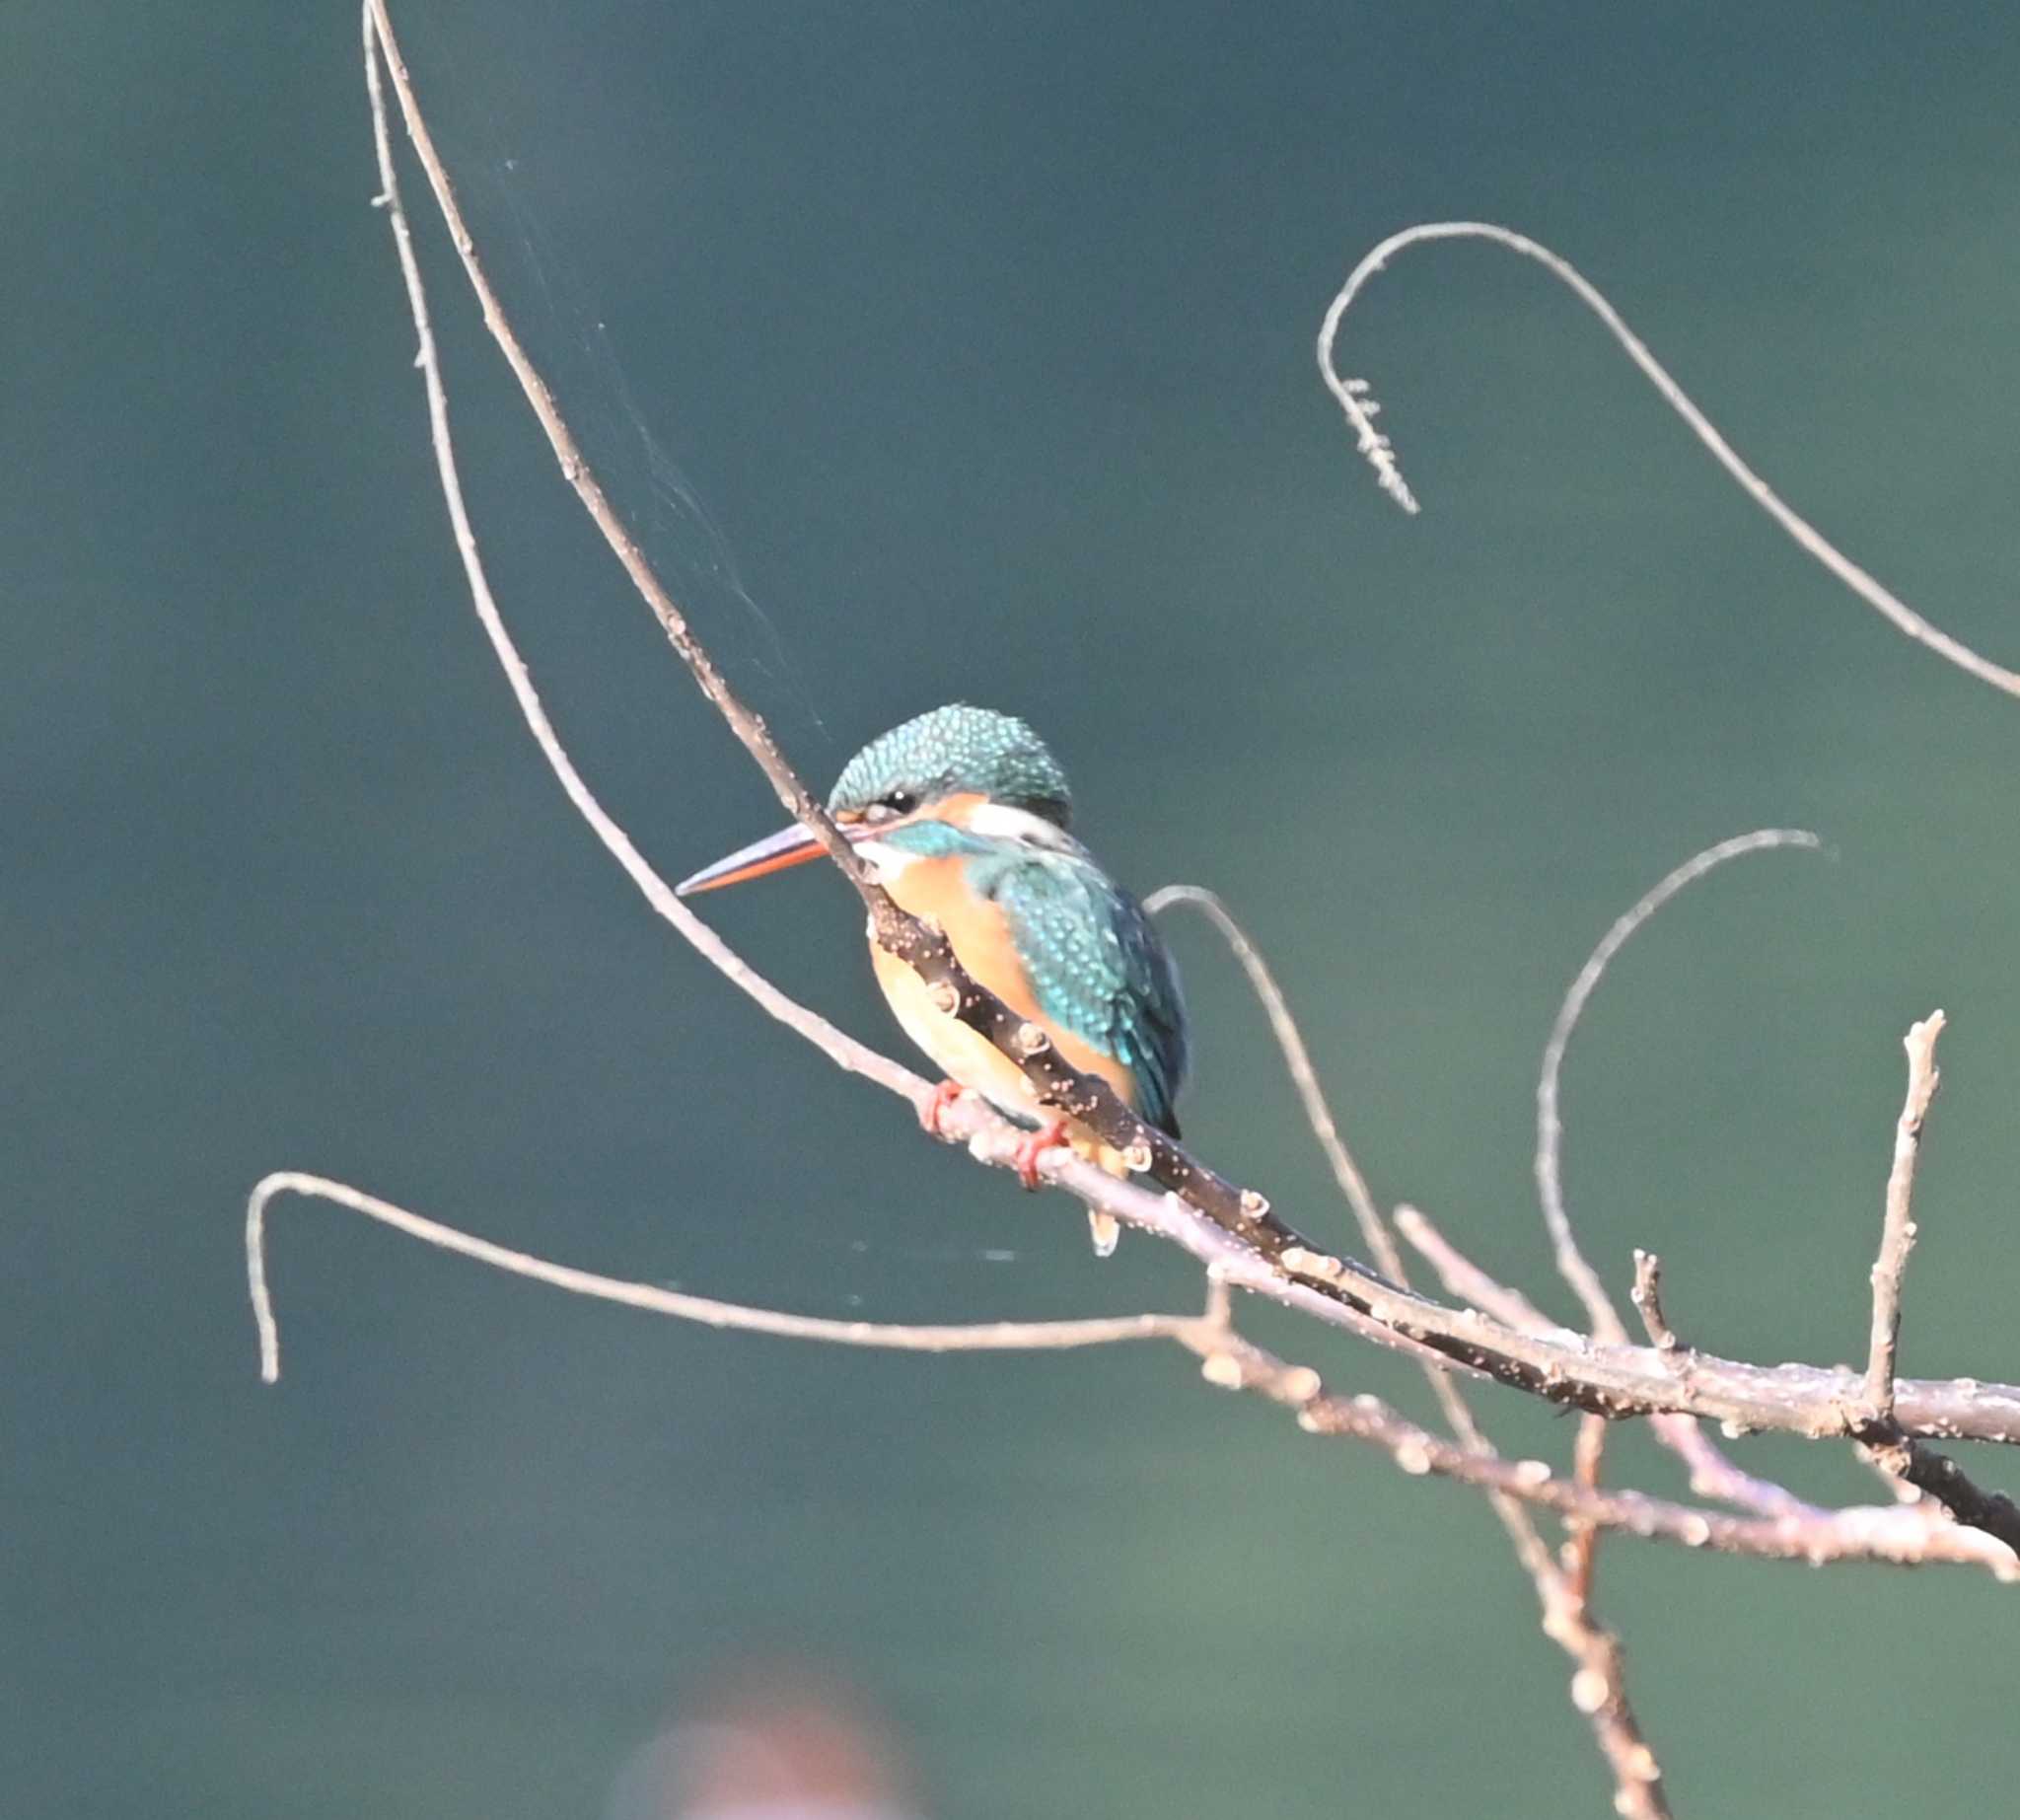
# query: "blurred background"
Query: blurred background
{"points": [[941, 352]]}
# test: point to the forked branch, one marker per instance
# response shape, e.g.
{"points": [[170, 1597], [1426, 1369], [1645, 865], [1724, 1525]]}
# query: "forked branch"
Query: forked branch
{"points": [[1599, 1683], [922, 947], [1226, 1358]]}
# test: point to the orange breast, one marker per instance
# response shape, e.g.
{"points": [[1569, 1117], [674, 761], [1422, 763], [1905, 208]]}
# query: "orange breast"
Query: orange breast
{"points": [[933, 889]]}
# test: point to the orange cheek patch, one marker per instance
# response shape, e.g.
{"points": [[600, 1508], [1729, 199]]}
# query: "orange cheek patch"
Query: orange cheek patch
{"points": [[959, 811]]}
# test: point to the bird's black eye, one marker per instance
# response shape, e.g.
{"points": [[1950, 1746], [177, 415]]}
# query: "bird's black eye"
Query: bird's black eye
{"points": [[890, 806]]}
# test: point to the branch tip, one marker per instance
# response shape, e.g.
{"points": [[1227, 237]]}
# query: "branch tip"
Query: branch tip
{"points": [[1898, 1225], [1375, 447]]}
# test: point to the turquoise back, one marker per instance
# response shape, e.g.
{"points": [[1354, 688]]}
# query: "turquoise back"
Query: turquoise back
{"points": [[1096, 964]]}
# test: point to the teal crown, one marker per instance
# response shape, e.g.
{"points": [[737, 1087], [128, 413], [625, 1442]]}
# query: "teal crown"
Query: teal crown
{"points": [[951, 752]]}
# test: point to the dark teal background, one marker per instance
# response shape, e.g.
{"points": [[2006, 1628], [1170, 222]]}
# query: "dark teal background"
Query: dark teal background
{"points": [[984, 333]]}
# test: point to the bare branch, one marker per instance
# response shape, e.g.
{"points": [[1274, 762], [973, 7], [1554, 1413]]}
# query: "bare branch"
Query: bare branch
{"points": [[843, 1050], [922, 947], [1891, 1452], [1549, 1125], [1918, 1531], [748, 728], [1943, 1480], [1647, 1298], [1713, 1474], [1599, 1687], [1297, 1059], [1897, 1238], [989, 1138], [1580, 1551], [1270, 1258], [1353, 395], [1469, 1284], [1240, 1365], [1868, 1534], [965, 1337]]}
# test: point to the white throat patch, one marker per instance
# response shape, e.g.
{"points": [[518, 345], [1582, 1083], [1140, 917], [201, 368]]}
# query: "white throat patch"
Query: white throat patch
{"points": [[885, 861]]}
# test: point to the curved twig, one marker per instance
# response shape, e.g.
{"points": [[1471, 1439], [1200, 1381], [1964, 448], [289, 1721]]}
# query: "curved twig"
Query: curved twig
{"points": [[1297, 1059], [884, 1336], [1567, 1617], [1354, 401], [840, 1048], [1227, 1360], [1683, 1436], [920, 946], [1550, 1123]]}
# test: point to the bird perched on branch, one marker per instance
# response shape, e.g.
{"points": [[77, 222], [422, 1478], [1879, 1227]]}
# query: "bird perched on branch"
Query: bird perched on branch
{"points": [[962, 814]]}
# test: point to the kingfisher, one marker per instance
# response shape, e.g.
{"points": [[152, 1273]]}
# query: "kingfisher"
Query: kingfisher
{"points": [[963, 816]]}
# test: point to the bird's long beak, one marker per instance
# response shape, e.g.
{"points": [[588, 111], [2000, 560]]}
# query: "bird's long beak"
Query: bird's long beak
{"points": [[790, 847]]}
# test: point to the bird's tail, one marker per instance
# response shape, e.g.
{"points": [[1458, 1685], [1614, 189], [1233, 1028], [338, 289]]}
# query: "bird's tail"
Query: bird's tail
{"points": [[1106, 1232]]}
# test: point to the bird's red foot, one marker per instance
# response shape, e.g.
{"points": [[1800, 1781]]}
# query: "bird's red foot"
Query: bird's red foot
{"points": [[1048, 1137], [935, 1109]]}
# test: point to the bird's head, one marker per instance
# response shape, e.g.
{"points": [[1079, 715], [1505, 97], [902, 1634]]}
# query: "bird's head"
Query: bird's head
{"points": [[960, 766]]}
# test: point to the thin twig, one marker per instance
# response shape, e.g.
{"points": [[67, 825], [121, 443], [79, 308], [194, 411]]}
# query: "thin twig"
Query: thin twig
{"points": [[919, 945], [1897, 1236], [1550, 1123], [1297, 1059], [961, 1337], [1580, 1553], [748, 728], [1883, 1445], [1581, 1548], [840, 1047], [1862, 1534], [1205, 1336], [1471, 1284], [1563, 1596], [1646, 1296], [1353, 395], [1915, 1532], [1712, 1473]]}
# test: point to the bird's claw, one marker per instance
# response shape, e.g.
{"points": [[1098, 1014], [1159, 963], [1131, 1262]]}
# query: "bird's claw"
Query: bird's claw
{"points": [[934, 1111], [1050, 1136]]}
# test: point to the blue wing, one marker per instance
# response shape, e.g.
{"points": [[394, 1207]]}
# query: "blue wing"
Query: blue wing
{"points": [[1099, 970]]}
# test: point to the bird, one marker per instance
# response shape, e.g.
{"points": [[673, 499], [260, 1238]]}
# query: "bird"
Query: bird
{"points": [[963, 814]]}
